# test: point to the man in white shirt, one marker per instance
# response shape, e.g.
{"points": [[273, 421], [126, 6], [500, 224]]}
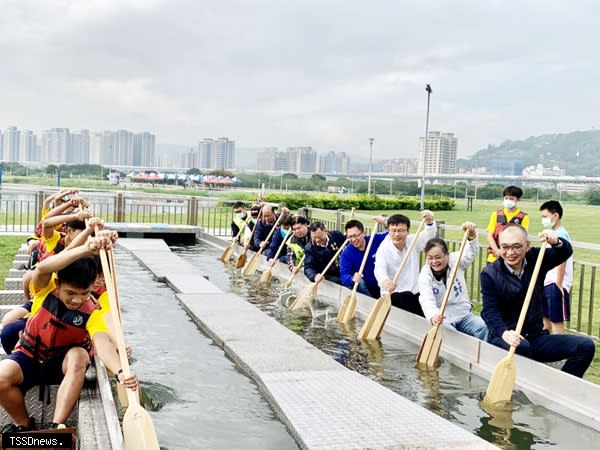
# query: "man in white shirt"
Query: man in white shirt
{"points": [[405, 292]]}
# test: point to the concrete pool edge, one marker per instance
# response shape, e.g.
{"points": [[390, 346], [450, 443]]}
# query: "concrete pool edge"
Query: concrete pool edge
{"points": [[307, 390]]}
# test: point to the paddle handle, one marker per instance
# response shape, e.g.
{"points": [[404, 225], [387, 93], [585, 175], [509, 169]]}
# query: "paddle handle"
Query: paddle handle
{"points": [[254, 227], [334, 257], [529, 294], [241, 230], [408, 252], [453, 272], [363, 263], [285, 239]]}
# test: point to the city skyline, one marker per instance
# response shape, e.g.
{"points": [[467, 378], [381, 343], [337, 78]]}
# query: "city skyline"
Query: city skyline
{"points": [[327, 75]]}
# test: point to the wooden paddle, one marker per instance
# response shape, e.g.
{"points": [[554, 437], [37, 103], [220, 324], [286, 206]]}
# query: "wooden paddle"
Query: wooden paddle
{"points": [[503, 379], [373, 326], [138, 429], [309, 292], [430, 347], [228, 252], [348, 306], [288, 283], [252, 265], [241, 261], [268, 274]]}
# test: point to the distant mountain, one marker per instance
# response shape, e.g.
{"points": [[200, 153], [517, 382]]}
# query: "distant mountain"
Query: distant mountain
{"points": [[577, 152]]}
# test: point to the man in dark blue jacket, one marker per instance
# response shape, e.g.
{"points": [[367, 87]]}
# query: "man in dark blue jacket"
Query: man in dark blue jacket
{"points": [[320, 250], [352, 256], [504, 284]]}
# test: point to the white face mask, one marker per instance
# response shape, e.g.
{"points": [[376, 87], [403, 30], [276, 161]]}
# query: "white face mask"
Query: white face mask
{"points": [[239, 215], [509, 204], [547, 223]]}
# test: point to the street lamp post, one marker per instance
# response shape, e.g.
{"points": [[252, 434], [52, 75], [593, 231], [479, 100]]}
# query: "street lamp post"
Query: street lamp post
{"points": [[429, 91], [370, 164]]}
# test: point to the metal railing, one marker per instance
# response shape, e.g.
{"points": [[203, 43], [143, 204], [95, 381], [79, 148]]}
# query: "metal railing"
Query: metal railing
{"points": [[20, 212]]}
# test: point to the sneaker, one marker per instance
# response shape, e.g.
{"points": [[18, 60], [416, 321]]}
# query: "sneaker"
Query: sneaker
{"points": [[12, 428], [57, 426]]}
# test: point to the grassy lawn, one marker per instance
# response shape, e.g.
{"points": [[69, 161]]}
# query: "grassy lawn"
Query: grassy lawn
{"points": [[9, 245]]}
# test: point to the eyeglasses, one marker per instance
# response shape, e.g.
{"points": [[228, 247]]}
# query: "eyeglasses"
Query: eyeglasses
{"points": [[354, 236], [513, 247]]}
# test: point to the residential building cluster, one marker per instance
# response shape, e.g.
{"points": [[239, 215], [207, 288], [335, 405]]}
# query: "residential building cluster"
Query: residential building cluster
{"points": [[211, 154], [303, 160], [62, 146], [400, 166]]}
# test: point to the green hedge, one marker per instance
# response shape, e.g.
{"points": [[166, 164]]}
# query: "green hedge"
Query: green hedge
{"points": [[362, 202]]}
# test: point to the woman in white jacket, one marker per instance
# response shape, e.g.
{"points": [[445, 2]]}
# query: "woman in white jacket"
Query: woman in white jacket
{"points": [[432, 286]]}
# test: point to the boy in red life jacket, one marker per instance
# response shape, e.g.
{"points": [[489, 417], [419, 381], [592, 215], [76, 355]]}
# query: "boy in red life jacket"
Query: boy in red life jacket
{"points": [[510, 213], [56, 343]]}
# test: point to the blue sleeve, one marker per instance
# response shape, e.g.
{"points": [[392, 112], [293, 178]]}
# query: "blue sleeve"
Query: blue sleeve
{"points": [[309, 270], [257, 237], [274, 245], [491, 312], [347, 267]]}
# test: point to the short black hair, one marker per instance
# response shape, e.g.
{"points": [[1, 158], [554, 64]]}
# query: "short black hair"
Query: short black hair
{"points": [[300, 220], [239, 205], [354, 224], [317, 226], [553, 206], [512, 191], [286, 219], [81, 273], [397, 219], [436, 242], [76, 224]]}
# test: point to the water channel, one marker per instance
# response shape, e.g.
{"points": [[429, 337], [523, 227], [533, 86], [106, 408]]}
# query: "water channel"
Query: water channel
{"points": [[202, 400], [448, 391]]}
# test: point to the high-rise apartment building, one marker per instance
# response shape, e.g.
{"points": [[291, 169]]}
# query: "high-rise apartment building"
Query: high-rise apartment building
{"points": [[216, 153], [267, 159], [440, 155], [144, 149], [55, 144], [11, 144], [401, 166], [28, 148], [334, 163], [79, 151], [301, 160]]}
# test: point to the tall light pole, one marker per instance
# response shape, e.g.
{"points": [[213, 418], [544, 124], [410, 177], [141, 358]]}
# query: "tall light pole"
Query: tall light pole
{"points": [[429, 91], [370, 164]]}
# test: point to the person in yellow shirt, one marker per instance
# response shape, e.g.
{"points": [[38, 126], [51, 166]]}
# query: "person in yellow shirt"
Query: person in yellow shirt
{"points": [[55, 347], [510, 213]]}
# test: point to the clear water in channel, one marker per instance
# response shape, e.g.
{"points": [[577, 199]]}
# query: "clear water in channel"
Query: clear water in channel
{"points": [[448, 390], [202, 400]]}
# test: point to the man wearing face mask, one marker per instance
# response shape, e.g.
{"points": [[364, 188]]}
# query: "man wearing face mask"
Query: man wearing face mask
{"points": [[285, 226], [510, 213], [239, 221], [557, 284]]}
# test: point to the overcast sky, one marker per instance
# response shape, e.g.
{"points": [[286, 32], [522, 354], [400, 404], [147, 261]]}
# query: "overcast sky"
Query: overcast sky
{"points": [[330, 74]]}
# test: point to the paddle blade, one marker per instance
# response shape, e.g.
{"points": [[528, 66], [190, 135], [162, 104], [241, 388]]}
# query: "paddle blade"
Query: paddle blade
{"points": [[252, 265], [430, 348], [227, 254], [266, 276], [287, 284], [346, 312], [374, 324], [502, 381], [138, 429], [305, 297], [241, 261]]}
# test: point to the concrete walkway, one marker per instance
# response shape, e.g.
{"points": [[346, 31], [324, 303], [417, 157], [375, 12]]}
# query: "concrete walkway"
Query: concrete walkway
{"points": [[323, 404]]}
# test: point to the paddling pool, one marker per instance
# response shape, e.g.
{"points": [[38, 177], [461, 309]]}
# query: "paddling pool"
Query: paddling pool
{"points": [[448, 390], [202, 400]]}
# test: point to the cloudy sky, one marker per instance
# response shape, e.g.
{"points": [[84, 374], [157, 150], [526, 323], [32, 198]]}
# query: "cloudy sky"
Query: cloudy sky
{"points": [[325, 73]]}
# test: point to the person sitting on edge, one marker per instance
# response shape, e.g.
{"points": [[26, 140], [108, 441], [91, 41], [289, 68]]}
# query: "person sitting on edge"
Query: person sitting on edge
{"points": [[433, 281], [265, 225], [239, 221], [285, 225], [405, 292], [504, 284], [319, 251], [557, 285], [352, 256], [297, 243], [45, 356], [500, 218], [248, 237]]}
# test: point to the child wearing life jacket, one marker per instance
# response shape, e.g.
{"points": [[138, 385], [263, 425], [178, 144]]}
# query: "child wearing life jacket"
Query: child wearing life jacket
{"points": [[55, 347]]}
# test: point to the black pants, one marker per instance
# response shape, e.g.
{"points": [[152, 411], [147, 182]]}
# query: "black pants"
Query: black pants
{"points": [[408, 302]]}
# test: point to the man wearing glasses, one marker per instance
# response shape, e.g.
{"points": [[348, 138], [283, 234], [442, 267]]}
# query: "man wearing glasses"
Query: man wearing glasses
{"points": [[504, 284]]}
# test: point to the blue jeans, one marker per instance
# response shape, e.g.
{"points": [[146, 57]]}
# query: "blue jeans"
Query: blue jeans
{"points": [[371, 291], [473, 326], [577, 350]]}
